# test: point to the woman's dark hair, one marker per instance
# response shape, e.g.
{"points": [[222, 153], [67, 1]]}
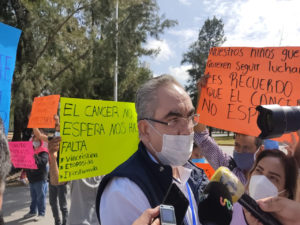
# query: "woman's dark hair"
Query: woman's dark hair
{"points": [[290, 169]]}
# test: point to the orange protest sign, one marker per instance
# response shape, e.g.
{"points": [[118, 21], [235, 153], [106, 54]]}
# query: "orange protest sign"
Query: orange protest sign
{"points": [[209, 171], [43, 111], [242, 78]]}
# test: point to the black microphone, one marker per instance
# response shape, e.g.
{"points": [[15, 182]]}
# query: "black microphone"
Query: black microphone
{"points": [[237, 189], [215, 205]]}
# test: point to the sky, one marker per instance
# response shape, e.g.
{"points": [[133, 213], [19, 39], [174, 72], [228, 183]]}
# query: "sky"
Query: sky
{"points": [[249, 23]]}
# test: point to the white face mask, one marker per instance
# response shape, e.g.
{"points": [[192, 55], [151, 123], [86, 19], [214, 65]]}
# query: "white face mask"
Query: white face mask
{"points": [[176, 149], [36, 144], [261, 187]]}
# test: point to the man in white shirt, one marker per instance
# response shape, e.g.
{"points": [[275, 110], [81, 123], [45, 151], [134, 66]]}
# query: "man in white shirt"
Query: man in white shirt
{"points": [[166, 118]]}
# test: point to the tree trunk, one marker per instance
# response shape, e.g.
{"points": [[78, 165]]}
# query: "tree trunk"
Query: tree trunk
{"points": [[17, 129]]}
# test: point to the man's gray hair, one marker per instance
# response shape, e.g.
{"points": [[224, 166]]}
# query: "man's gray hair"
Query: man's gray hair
{"points": [[5, 163], [146, 96]]}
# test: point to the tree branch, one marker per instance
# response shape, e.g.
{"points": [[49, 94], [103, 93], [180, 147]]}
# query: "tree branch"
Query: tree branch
{"points": [[52, 35], [68, 66]]}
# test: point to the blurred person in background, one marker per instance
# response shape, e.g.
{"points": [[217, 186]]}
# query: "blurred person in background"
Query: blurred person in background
{"points": [[38, 180], [5, 165]]}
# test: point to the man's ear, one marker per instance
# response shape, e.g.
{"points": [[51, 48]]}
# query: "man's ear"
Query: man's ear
{"points": [[144, 131]]}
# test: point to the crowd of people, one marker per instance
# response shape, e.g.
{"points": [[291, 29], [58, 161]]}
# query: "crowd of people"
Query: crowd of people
{"points": [[171, 139]]}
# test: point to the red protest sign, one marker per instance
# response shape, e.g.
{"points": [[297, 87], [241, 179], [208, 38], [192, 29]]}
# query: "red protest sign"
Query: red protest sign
{"points": [[242, 78]]}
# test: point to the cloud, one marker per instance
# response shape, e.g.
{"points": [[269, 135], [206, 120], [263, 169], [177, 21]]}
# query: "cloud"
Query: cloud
{"points": [[258, 23], [185, 2], [165, 53], [184, 37], [187, 35], [180, 73]]}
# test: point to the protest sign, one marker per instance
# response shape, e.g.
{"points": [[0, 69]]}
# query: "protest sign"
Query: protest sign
{"points": [[21, 154], [43, 111], [209, 171], [97, 136], [9, 39], [242, 78]]}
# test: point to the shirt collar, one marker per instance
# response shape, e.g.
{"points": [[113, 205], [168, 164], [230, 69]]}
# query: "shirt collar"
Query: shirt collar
{"points": [[184, 172]]}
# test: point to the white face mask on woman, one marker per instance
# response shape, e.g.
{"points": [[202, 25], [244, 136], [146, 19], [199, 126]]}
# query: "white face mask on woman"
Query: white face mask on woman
{"points": [[261, 187], [36, 144], [176, 149]]}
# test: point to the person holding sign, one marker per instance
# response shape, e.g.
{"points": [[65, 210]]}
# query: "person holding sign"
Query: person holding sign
{"points": [[166, 118], [83, 191], [56, 191], [245, 148], [38, 180]]}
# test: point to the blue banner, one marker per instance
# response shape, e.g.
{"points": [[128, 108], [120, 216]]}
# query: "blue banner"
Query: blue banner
{"points": [[9, 39]]}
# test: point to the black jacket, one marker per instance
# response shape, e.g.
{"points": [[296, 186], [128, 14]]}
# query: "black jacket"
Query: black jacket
{"points": [[153, 179], [41, 173]]}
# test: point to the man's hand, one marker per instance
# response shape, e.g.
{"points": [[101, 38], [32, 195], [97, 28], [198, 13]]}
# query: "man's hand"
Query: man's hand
{"points": [[202, 82], [53, 145], [147, 217], [285, 210]]}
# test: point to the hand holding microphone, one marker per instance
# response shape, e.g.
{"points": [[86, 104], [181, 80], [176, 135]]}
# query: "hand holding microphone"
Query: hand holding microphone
{"points": [[215, 205]]}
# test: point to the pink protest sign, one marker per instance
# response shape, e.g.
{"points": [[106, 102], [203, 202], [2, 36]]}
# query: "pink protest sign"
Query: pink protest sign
{"points": [[21, 154]]}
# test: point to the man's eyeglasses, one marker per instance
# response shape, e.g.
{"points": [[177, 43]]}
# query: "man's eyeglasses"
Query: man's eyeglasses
{"points": [[194, 119]]}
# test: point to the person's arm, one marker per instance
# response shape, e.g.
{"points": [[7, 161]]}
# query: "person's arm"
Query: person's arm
{"points": [[207, 145], [147, 217], [285, 210], [40, 135], [53, 149]]}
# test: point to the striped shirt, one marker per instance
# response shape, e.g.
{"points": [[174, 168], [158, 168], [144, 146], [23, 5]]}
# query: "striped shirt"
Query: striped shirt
{"points": [[214, 154]]}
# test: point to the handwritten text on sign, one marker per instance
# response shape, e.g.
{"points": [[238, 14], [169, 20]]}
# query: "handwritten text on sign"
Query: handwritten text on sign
{"points": [[43, 111], [243, 78], [21, 154], [97, 136]]}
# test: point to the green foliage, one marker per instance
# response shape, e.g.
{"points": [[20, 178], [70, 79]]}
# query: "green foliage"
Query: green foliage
{"points": [[210, 35], [69, 48]]}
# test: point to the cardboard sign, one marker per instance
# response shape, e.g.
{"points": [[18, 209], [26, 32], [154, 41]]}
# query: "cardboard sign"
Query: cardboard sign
{"points": [[209, 171], [9, 40], [242, 78], [43, 111], [97, 136], [21, 154]]}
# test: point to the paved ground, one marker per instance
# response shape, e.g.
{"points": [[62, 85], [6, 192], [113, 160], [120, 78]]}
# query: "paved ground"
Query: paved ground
{"points": [[16, 204], [17, 200]]}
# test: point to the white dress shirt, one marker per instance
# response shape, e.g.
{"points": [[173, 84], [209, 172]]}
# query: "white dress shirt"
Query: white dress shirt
{"points": [[122, 201]]}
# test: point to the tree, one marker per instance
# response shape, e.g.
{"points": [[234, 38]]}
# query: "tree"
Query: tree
{"points": [[210, 35], [68, 48]]}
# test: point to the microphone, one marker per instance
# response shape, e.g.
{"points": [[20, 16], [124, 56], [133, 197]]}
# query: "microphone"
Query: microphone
{"points": [[215, 205], [237, 189]]}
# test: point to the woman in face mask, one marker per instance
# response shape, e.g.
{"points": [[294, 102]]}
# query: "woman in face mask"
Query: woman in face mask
{"points": [[273, 174]]}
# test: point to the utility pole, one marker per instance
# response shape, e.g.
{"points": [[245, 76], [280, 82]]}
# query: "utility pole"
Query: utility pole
{"points": [[116, 62]]}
